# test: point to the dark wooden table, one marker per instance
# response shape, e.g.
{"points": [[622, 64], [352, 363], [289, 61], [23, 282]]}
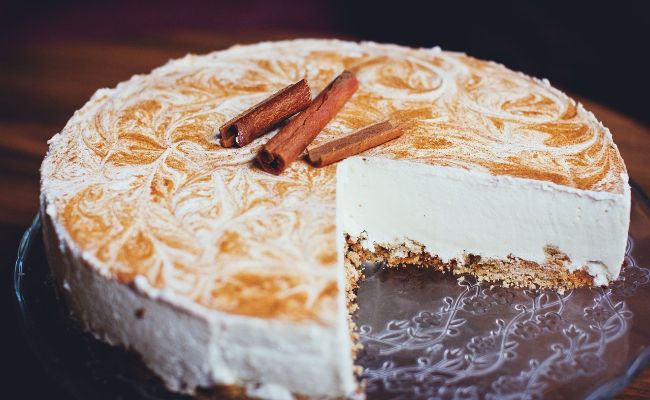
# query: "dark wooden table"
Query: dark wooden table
{"points": [[42, 85]]}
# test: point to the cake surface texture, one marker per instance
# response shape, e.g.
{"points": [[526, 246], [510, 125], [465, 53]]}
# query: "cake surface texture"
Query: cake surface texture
{"points": [[219, 274]]}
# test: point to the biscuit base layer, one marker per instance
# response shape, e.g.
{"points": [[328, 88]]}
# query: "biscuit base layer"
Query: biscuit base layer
{"points": [[510, 272]]}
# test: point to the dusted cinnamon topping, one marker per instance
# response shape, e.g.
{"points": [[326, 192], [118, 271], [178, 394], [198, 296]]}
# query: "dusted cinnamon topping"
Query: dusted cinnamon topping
{"points": [[141, 185]]}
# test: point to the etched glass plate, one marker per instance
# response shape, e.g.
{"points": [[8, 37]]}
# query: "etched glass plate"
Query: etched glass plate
{"points": [[426, 334]]}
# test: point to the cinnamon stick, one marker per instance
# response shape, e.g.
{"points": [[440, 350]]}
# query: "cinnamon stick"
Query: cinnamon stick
{"points": [[285, 147], [355, 143], [264, 116]]}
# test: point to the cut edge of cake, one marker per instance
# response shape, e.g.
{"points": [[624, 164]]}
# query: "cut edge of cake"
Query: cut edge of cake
{"points": [[470, 221]]}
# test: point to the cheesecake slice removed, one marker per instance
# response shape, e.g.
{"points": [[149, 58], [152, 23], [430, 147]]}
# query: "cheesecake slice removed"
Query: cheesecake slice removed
{"points": [[223, 277]]}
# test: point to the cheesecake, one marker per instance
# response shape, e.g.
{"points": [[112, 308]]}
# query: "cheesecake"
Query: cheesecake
{"points": [[222, 276]]}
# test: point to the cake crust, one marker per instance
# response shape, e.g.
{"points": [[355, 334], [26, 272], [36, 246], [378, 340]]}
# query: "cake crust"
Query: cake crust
{"points": [[511, 271]]}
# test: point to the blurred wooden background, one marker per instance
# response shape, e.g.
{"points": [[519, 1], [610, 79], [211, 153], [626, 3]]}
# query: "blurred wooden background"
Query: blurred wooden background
{"points": [[42, 84]]}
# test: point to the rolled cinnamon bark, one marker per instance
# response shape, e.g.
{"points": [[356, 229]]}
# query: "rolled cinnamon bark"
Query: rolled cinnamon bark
{"points": [[285, 147], [264, 116], [355, 143]]}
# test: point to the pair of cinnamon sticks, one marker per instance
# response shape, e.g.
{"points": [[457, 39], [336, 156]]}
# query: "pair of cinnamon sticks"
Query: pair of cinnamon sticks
{"points": [[294, 137]]}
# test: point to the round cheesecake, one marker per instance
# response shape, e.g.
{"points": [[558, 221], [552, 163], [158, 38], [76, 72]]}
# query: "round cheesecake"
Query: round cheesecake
{"points": [[219, 274]]}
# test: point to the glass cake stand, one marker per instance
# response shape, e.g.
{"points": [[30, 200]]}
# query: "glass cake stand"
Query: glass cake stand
{"points": [[426, 334]]}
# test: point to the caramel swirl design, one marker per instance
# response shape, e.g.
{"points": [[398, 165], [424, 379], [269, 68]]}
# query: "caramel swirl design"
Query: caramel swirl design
{"points": [[407, 78], [139, 183]]}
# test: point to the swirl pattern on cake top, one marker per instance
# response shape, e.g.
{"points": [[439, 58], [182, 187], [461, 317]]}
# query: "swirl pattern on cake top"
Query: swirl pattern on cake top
{"points": [[141, 186]]}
